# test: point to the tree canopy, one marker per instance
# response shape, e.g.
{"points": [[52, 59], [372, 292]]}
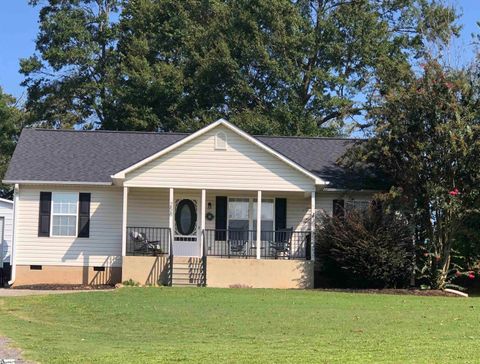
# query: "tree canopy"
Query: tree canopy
{"points": [[11, 122], [300, 67], [427, 140]]}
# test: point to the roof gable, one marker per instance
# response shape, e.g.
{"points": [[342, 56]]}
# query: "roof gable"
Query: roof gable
{"points": [[198, 164], [216, 124]]}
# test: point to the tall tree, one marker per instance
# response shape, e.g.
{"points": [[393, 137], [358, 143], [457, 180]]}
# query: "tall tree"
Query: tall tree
{"points": [[284, 67], [427, 140], [11, 122], [288, 67], [70, 78]]}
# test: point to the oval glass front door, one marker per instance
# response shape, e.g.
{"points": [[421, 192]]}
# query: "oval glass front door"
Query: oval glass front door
{"points": [[186, 217]]}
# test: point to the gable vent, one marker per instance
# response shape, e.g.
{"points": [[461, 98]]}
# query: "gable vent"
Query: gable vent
{"points": [[221, 141]]}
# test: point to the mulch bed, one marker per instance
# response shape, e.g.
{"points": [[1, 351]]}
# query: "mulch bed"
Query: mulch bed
{"points": [[64, 287], [410, 292]]}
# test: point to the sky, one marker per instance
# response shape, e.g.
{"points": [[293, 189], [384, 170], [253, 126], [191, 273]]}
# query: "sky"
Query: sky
{"points": [[19, 26]]}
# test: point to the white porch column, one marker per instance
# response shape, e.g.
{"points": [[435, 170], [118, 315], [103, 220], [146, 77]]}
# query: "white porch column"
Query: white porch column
{"points": [[171, 209], [259, 224], [202, 221], [124, 221], [312, 226]]}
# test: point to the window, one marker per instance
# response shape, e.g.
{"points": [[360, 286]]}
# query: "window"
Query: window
{"points": [[221, 141], [242, 214], [238, 217], [64, 214], [186, 217], [358, 205], [268, 215]]}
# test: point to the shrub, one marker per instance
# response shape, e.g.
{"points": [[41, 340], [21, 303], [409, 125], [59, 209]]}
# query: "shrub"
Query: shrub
{"points": [[365, 249], [131, 283]]}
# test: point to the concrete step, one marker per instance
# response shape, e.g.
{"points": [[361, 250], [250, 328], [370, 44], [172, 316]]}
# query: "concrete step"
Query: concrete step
{"points": [[187, 267], [187, 281], [186, 260], [186, 275], [185, 285], [187, 272]]}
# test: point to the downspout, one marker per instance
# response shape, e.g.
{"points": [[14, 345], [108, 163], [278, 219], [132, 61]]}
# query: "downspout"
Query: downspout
{"points": [[14, 235]]}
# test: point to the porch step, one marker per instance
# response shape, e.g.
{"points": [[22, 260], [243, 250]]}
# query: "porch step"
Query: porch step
{"points": [[188, 272]]}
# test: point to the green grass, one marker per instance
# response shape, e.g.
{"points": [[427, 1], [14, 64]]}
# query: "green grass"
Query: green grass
{"points": [[152, 325]]}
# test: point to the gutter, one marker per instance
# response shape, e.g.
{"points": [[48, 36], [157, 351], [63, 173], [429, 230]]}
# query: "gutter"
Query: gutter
{"points": [[14, 236], [30, 182]]}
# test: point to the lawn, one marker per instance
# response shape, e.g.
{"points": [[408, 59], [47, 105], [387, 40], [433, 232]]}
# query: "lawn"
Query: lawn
{"points": [[152, 325]]}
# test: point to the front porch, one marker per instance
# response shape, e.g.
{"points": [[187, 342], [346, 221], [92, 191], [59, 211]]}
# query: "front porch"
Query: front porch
{"points": [[162, 226]]}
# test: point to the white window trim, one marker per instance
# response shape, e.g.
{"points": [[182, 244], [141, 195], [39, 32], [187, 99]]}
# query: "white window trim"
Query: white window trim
{"points": [[251, 201], [54, 214]]}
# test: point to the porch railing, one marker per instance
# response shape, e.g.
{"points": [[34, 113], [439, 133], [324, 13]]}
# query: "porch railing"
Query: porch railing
{"points": [[150, 241], [280, 244], [227, 243]]}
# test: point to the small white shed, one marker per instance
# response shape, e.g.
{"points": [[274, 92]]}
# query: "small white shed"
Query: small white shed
{"points": [[6, 230]]}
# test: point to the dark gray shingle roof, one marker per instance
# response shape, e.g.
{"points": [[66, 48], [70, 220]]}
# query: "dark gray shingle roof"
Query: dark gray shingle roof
{"points": [[93, 156]]}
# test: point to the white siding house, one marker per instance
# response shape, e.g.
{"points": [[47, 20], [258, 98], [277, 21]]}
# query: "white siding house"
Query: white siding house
{"points": [[6, 230], [100, 207]]}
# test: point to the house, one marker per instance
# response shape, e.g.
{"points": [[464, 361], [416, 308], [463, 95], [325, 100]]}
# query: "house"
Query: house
{"points": [[98, 207], [6, 232]]}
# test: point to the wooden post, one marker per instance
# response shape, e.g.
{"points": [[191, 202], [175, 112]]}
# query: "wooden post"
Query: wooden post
{"points": [[202, 221], [312, 226], [171, 209], [124, 221], [259, 224]]}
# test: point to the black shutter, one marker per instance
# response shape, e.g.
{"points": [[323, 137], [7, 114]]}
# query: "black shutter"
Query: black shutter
{"points": [[84, 215], [338, 208], [221, 217], [44, 214], [280, 218], [280, 213]]}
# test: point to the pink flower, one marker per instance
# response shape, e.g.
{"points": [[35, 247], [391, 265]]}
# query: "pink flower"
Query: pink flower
{"points": [[471, 276], [454, 192]]}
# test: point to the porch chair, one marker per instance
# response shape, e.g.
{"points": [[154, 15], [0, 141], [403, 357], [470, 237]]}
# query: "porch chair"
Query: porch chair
{"points": [[142, 245], [237, 242], [282, 243]]}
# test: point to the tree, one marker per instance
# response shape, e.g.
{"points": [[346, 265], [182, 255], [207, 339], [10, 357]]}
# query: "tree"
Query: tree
{"points": [[70, 79], [11, 122], [282, 67], [427, 141]]}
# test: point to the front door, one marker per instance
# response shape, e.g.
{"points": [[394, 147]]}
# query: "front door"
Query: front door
{"points": [[186, 238]]}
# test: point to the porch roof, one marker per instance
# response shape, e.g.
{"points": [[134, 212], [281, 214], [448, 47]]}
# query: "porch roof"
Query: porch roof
{"points": [[92, 157]]}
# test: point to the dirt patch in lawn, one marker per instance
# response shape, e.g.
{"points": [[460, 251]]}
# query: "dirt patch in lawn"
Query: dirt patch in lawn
{"points": [[63, 287], [7, 351], [411, 292]]}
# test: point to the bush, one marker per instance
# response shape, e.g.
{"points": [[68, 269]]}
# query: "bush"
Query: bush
{"points": [[365, 249]]}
